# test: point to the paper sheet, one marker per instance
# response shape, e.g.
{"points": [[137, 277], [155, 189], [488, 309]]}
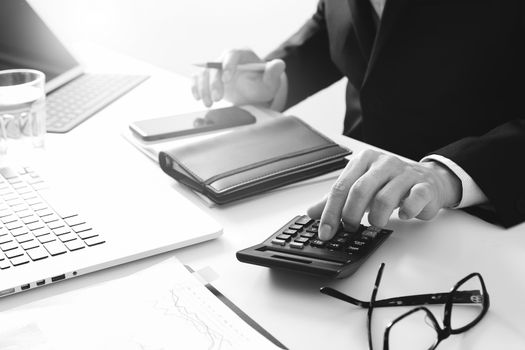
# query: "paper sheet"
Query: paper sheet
{"points": [[162, 307]]}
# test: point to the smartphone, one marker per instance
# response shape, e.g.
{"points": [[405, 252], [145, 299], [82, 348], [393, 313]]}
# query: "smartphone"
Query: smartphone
{"points": [[191, 123]]}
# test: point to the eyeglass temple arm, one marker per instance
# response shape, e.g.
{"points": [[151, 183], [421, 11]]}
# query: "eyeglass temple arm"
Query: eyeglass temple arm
{"points": [[459, 297]]}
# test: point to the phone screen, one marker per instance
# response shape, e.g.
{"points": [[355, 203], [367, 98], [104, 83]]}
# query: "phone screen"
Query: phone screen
{"points": [[191, 123]]}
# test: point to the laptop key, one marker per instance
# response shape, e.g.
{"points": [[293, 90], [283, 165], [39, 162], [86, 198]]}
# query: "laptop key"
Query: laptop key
{"points": [[9, 218], [20, 260], [5, 212], [38, 253], [8, 246], [45, 212], [55, 248], [30, 219], [94, 241], [41, 232], [81, 227], [5, 239], [33, 201], [46, 238], [61, 230], [13, 253], [4, 264], [19, 231], [36, 225], [30, 244], [87, 234], [39, 206], [24, 213], [16, 224], [24, 238], [56, 224], [67, 237], [74, 220], [75, 245]]}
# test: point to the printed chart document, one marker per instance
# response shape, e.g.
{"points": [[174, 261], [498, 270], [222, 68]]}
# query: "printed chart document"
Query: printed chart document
{"points": [[161, 307]]}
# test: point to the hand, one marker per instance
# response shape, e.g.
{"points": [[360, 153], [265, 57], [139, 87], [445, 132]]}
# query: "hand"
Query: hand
{"points": [[381, 183], [240, 87]]}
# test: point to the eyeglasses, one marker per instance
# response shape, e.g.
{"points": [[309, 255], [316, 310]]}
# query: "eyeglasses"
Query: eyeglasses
{"points": [[465, 305]]}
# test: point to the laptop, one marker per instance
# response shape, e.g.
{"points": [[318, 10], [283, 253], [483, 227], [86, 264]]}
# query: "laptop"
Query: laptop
{"points": [[50, 233], [72, 95]]}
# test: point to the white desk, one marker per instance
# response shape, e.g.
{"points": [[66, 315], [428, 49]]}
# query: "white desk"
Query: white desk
{"points": [[420, 257]]}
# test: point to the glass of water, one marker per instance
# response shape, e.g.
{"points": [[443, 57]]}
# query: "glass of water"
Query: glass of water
{"points": [[22, 110]]}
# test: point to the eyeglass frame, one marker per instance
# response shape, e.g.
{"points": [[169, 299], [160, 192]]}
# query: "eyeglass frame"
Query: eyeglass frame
{"points": [[447, 298]]}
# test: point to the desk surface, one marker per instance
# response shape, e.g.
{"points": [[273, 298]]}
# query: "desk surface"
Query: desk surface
{"points": [[420, 257]]}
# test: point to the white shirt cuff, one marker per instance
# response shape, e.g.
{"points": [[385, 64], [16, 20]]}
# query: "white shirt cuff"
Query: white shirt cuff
{"points": [[471, 193]]}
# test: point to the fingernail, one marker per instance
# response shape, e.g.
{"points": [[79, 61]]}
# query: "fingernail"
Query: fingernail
{"points": [[325, 231], [215, 96], [226, 76]]}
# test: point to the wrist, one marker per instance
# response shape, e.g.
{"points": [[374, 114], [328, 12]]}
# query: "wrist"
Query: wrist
{"points": [[450, 187]]}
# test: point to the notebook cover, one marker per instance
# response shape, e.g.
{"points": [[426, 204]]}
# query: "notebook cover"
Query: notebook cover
{"points": [[253, 159]]}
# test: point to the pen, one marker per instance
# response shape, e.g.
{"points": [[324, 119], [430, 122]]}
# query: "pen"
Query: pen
{"points": [[241, 67]]}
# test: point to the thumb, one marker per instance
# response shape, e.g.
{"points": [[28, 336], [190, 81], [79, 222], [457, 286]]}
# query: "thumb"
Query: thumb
{"points": [[273, 71]]}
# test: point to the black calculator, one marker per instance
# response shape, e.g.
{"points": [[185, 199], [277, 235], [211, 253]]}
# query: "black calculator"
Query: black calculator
{"points": [[296, 246]]}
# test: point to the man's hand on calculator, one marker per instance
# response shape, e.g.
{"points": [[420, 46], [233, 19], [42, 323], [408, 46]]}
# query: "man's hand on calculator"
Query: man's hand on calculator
{"points": [[381, 183]]}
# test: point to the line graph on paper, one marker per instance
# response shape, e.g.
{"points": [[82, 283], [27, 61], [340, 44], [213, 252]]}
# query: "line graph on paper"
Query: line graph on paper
{"points": [[141, 311], [192, 319]]}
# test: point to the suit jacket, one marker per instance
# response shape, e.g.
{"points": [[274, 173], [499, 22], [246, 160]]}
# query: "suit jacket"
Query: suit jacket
{"points": [[438, 76]]}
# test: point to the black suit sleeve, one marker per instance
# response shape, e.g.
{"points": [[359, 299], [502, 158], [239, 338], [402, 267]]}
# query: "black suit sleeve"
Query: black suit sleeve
{"points": [[496, 162], [309, 67]]}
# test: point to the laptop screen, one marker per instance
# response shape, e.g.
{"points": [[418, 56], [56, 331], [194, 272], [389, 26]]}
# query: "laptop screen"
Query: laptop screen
{"points": [[26, 42]]}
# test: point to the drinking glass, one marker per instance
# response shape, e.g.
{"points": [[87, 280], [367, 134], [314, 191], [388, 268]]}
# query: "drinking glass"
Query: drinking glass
{"points": [[22, 110]]}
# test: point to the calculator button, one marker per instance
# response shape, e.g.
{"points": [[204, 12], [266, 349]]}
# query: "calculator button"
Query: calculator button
{"points": [[297, 245], [369, 234], [303, 220], [334, 246], [343, 235], [341, 241], [290, 232], [296, 227], [352, 249], [278, 242], [318, 243], [284, 237], [307, 234], [358, 243], [312, 229], [301, 240]]}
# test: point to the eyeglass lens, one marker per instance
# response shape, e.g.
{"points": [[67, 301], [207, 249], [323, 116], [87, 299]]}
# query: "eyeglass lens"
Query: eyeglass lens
{"points": [[462, 314], [413, 332]]}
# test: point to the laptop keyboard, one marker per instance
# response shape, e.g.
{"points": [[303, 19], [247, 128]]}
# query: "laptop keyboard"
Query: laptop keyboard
{"points": [[79, 99], [33, 227]]}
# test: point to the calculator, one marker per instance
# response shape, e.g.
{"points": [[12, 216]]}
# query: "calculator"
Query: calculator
{"points": [[296, 246]]}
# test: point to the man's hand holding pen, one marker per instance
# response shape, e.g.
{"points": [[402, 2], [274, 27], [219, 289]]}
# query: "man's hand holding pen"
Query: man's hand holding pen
{"points": [[241, 77]]}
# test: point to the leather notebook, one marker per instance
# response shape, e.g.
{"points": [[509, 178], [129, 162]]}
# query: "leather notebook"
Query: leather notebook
{"points": [[253, 159]]}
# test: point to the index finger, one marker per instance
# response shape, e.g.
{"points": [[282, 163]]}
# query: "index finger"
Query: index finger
{"points": [[331, 217]]}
